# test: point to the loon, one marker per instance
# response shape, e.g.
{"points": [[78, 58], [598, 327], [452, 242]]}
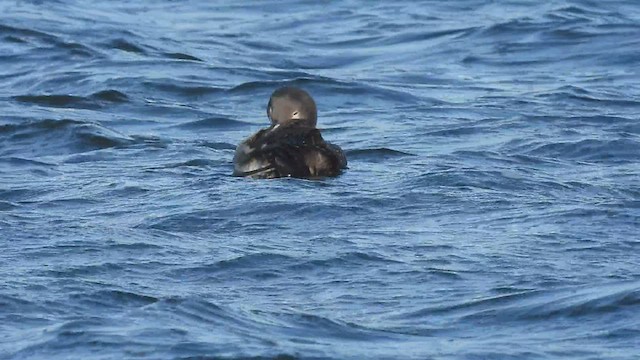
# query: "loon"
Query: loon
{"points": [[292, 146]]}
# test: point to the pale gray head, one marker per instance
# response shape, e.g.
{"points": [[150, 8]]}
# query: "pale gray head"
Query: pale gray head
{"points": [[289, 104]]}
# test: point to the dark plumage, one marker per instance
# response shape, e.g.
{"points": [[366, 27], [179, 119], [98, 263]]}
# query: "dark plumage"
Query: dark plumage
{"points": [[292, 145]]}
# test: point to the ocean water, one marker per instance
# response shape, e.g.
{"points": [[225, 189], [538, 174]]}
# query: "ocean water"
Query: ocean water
{"points": [[491, 209]]}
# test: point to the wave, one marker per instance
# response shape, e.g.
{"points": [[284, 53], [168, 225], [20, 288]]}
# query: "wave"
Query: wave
{"points": [[375, 154], [218, 145], [127, 46], [214, 123], [239, 334], [44, 41], [94, 101], [182, 56], [58, 137], [344, 261], [572, 93], [186, 89], [17, 162], [332, 87], [458, 131], [592, 150], [7, 205], [113, 299], [267, 266], [539, 305], [21, 167]]}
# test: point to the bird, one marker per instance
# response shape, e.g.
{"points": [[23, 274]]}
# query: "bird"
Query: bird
{"points": [[292, 146]]}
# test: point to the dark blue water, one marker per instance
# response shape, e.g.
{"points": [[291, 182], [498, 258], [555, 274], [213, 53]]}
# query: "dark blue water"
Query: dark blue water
{"points": [[491, 209]]}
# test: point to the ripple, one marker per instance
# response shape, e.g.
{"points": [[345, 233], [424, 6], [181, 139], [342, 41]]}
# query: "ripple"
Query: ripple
{"points": [[181, 88], [113, 299], [214, 123], [612, 151], [7, 29], [112, 96], [376, 154], [93, 101], [7, 205], [218, 145], [260, 266], [17, 162], [58, 137], [58, 101], [127, 46], [579, 94], [181, 56], [342, 261]]}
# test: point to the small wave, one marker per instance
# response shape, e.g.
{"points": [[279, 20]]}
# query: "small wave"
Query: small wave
{"points": [[218, 145], [14, 39], [203, 311], [265, 45], [133, 246], [257, 265], [579, 121], [375, 154], [77, 49], [151, 141], [251, 261], [476, 179], [294, 79], [541, 305], [344, 261], [45, 40], [572, 304], [332, 87], [487, 60], [28, 163], [415, 36], [124, 45], [444, 273], [614, 151], [92, 102], [113, 96], [326, 327], [458, 131], [17, 31], [350, 43], [582, 95], [181, 56], [114, 298], [510, 28], [182, 89], [571, 34], [64, 101], [14, 304], [250, 86], [7, 205], [84, 270], [197, 163], [20, 166], [58, 137], [578, 14], [298, 327], [194, 221], [214, 123]]}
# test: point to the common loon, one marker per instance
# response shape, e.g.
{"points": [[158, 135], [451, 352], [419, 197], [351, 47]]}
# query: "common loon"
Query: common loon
{"points": [[292, 146]]}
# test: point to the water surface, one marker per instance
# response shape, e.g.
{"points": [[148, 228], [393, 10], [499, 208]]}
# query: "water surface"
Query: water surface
{"points": [[491, 208]]}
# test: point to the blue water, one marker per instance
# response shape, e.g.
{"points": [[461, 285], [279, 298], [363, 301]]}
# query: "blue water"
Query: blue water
{"points": [[491, 209]]}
